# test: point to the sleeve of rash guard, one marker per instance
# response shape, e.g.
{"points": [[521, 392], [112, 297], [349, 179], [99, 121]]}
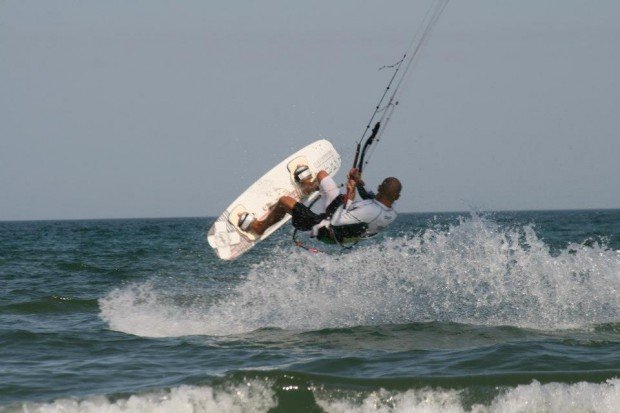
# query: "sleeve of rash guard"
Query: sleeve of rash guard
{"points": [[364, 194], [328, 188]]}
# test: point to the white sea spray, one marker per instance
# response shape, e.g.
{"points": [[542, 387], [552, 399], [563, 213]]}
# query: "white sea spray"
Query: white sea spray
{"points": [[472, 272], [260, 396], [529, 398], [248, 397]]}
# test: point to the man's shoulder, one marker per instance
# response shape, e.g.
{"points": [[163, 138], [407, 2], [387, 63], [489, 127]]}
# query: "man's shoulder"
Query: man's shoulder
{"points": [[373, 203], [364, 203], [367, 209]]}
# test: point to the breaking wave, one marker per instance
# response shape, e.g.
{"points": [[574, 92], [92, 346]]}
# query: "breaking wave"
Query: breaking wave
{"points": [[261, 396], [247, 397], [473, 272], [535, 397]]}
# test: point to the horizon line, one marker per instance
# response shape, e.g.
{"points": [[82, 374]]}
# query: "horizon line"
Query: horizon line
{"points": [[399, 213]]}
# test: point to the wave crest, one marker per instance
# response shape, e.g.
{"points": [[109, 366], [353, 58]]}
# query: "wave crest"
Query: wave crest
{"points": [[473, 272], [262, 396]]}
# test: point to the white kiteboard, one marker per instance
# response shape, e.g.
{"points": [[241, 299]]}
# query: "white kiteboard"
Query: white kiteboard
{"points": [[228, 240]]}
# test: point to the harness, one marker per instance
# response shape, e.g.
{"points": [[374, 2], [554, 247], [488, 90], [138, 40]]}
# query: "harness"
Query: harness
{"points": [[326, 234], [329, 234]]}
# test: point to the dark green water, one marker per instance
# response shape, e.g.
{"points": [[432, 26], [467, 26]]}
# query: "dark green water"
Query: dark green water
{"points": [[446, 312]]}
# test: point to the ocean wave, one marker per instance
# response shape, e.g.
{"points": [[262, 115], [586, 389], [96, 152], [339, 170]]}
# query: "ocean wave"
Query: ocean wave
{"points": [[245, 397], [534, 397], [262, 395], [474, 272], [50, 304]]}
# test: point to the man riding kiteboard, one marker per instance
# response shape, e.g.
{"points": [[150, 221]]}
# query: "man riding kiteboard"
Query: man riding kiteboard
{"points": [[342, 219]]}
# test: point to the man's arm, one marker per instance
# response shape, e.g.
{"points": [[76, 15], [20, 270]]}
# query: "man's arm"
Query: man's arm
{"points": [[359, 183], [350, 196], [309, 186], [364, 193]]}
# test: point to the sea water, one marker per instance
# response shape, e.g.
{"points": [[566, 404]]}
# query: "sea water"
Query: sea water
{"points": [[495, 312]]}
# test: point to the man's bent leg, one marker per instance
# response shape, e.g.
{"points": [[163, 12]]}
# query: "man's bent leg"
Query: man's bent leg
{"points": [[285, 205]]}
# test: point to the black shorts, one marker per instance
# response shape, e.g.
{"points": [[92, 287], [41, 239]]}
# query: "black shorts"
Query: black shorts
{"points": [[303, 217]]}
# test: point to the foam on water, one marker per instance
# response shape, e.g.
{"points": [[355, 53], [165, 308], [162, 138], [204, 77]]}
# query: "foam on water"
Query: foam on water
{"points": [[254, 396], [260, 396], [473, 272], [535, 397]]}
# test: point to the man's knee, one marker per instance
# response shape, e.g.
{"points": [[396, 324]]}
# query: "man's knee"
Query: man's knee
{"points": [[321, 175], [287, 203]]}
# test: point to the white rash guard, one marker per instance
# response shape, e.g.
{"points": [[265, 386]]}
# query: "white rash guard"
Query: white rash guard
{"points": [[329, 191], [368, 211], [359, 219]]}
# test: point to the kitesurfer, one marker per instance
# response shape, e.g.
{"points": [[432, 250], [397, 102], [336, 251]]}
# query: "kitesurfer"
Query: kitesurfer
{"points": [[342, 219]]}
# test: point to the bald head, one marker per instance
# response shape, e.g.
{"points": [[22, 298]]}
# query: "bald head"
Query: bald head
{"points": [[389, 189]]}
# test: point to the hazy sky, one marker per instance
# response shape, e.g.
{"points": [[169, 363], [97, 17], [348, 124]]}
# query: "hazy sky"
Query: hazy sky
{"points": [[155, 108]]}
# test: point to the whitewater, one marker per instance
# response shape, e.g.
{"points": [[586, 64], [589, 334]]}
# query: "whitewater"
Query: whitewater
{"points": [[446, 312]]}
